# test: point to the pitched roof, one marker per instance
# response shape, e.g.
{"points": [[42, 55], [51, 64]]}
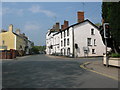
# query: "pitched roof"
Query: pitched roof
{"points": [[81, 23], [20, 36], [77, 24]]}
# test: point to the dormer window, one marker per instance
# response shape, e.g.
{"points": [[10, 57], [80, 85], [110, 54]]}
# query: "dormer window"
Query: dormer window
{"points": [[92, 32]]}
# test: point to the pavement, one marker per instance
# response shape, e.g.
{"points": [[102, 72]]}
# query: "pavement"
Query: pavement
{"points": [[99, 68]]}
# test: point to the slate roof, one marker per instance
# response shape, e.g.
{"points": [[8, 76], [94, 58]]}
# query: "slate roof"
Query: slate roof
{"points": [[78, 24]]}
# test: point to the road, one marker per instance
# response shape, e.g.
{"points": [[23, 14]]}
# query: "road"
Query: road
{"points": [[41, 71]]}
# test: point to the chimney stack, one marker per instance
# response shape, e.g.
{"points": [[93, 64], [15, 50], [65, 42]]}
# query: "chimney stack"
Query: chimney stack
{"points": [[57, 27], [66, 24], [17, 31], [62, 26], [53, 28], [10, 28], [80, 16]]}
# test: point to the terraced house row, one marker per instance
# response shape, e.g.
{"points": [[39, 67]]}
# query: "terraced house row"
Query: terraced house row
{"points": [[10, 40], [78, 40]]}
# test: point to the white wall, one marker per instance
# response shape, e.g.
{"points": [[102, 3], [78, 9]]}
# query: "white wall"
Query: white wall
{"points": [[56, 44], [70, 36], [81, 33]]}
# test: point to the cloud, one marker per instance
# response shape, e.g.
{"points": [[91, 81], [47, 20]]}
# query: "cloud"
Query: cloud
{"points": [[31, 26], [6, 10], [38, 9], [33, 9]]}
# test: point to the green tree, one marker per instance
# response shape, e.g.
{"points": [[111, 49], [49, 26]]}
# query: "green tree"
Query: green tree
{"points": [[35, 49], [110, 14], [98, 24]]}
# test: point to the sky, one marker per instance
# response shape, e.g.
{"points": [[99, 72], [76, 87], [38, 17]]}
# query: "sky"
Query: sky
{"points": [[35, 18]]}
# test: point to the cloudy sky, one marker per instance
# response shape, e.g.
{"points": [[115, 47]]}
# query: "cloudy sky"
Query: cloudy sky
{"points": [[35, 18]]}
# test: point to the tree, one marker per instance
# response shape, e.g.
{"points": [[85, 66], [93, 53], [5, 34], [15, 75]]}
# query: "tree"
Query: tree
{"points": [[110, 14], [98, 24], [35, 49]]}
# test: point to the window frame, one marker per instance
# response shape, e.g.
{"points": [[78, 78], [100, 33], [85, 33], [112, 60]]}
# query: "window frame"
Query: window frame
{"points": [[67, 32], [61, 35], [68, 41], [61, 43], [92, 31], [95, 42], [64, 33], [89, 39], [64, 42], [93, 51], [3, 42]]}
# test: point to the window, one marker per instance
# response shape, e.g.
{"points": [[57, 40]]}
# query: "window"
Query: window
{"points": [[61, 51], [61, 43], [55, 49], [92, 31], [55, 41], [89, 41], [93, 51], [64, 33], [67, 41], [61, 34], [68, 32], [3, 42], [68, 51], [64, 42], [94, 42], [76, 46], [64, 51]]}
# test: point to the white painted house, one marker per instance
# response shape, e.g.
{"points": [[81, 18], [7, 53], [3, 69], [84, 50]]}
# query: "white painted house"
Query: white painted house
{"points": [[78, 40]]}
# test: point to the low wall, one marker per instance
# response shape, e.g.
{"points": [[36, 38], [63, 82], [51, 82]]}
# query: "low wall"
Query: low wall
{"points": [[7, 54], [112, 61]]}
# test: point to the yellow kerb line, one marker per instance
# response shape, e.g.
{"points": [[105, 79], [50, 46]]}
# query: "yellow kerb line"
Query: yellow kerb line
{"points": [[82, 66]]}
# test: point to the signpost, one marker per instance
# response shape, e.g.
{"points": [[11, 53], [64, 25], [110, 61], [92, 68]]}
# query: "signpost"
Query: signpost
{"points": [[86, 50]]}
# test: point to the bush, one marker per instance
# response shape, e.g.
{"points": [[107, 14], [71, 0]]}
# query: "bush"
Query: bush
{"points": [[115, 55]]}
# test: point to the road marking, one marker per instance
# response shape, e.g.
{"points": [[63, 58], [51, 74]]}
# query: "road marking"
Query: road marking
{"points": [[83, 66]]}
